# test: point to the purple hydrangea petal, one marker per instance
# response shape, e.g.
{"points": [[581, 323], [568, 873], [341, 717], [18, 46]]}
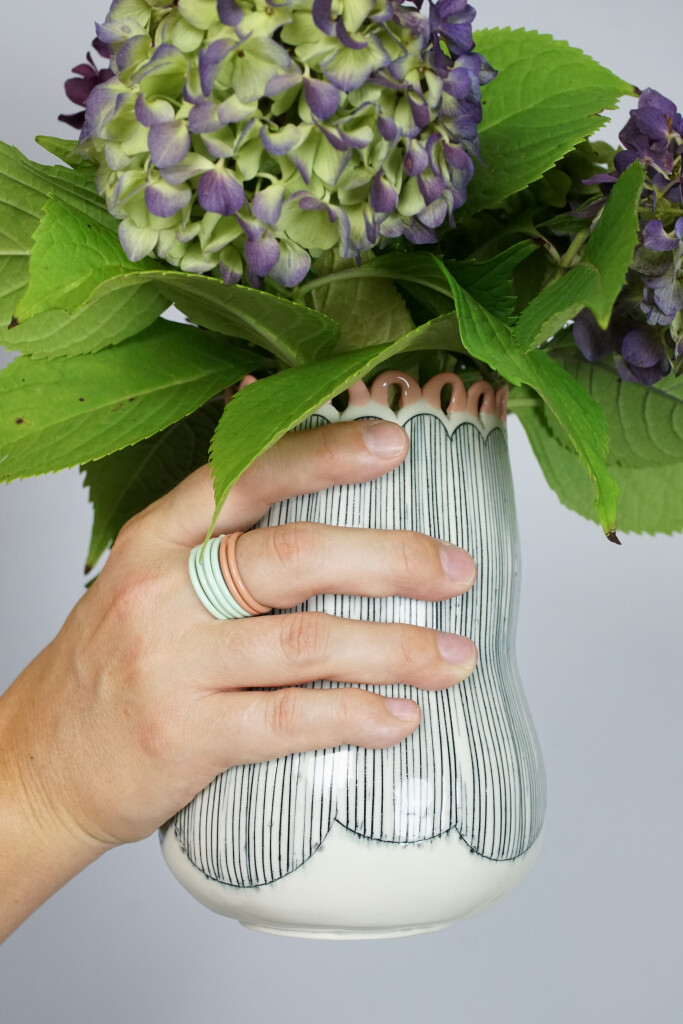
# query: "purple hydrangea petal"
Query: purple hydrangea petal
{"points": [[668, 297], [652, 98], [641, 347], [261, 254], [624, 159], [131, 53], [678, 229], [647, 375], [280, 142], [233, 111], [655, 237], [322, 16], [155, 112], [281, 83], [431, 186], [117, 31], [137, 242], [420, 111], [435, 214], [210, 60], [460, 163], [292, 266], [419, 234], [203, 118], [415, 160], [592, 342], [322, 98], [388, 128], [651, 122], [229, 12], [101, 48], [267, 204], [383, 195], [219, 191], [169, 143], [190, 167], [164, 200], [100, 107], [230, 266], [347, 40], [78, 89]]}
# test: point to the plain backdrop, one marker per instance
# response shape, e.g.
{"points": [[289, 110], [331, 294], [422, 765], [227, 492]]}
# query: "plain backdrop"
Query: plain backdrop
{"points": [[593, 934]]}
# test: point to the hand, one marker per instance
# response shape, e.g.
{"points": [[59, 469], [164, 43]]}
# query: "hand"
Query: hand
{"points": [[143, 698]]}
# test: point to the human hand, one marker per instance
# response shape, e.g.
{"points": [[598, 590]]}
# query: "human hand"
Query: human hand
{"points": [[143, 698]]}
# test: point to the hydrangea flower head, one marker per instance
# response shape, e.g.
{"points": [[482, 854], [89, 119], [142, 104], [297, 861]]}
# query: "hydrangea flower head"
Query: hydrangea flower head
{"points": [[249, 136]]}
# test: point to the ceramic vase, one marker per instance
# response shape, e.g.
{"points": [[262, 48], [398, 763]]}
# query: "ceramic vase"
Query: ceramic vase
{"points": [[357, 843]]}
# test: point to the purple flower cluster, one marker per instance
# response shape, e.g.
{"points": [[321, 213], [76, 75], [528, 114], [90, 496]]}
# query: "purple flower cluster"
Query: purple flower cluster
{"points": [[88, 75], [248, 137], [649, 329]]}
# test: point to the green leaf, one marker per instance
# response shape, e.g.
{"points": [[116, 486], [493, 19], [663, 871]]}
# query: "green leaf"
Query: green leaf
{"points": [[651, 497], [13, 277], [67, 150], [262, 412], [544, 101], [117, 310], [71, 255], [491, 282], [76, 261], [57, 413], [291, 331], [645, 423], [489, 339], [598, 279], [28, 185], [24, 187], [126, 482], [368, 311]]}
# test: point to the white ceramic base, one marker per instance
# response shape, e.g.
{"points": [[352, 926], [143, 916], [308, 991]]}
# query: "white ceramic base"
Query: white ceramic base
{"points": [[355, 888]]}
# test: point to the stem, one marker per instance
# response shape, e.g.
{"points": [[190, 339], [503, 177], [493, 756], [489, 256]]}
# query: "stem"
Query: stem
{"points": [[573, 250]]}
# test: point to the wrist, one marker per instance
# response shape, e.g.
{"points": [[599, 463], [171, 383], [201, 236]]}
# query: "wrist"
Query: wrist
{"points": [[41, 846]]}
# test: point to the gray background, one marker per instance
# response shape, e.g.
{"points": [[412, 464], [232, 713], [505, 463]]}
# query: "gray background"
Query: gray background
{"points": [[593, 934]]}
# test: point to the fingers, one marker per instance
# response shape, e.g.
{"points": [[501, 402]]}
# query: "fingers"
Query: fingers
{"points": [[278, 650], [284, 565], [246, 728], [301, 462]]}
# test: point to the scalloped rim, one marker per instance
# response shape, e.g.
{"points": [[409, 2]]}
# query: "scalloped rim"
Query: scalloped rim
{"points": [[479, 404]]}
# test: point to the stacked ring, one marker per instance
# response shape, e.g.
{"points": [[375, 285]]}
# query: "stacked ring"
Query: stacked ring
{"points": [[217, 581]]}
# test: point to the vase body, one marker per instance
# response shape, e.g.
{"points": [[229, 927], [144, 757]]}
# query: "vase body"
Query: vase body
{"points": [[357, 843]]}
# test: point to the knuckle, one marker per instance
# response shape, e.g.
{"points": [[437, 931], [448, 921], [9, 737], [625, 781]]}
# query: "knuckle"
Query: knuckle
{"points": [[294, 546], [283, 712], [410, 651], [409, 557], [129, 534], [304, 638], [133, 594], [160, 733]]}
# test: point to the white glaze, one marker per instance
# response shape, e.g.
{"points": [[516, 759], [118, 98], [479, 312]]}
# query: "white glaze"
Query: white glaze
{"points": [[354, 888]]}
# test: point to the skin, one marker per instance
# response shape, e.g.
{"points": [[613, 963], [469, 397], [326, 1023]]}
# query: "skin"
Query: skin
{"points": [[143, 698]]}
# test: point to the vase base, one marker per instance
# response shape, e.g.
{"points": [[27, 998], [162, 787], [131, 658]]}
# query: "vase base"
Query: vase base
{"points": [[354, 888], [346, 934]]}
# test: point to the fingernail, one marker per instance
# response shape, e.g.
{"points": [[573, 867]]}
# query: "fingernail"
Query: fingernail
{"points": [[406, 710], [386, 439], [457, 564], [457, 650]]}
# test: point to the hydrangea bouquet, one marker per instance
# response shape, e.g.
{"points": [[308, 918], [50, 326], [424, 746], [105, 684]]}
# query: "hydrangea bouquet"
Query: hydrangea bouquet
{"points": [[324, 189]]}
